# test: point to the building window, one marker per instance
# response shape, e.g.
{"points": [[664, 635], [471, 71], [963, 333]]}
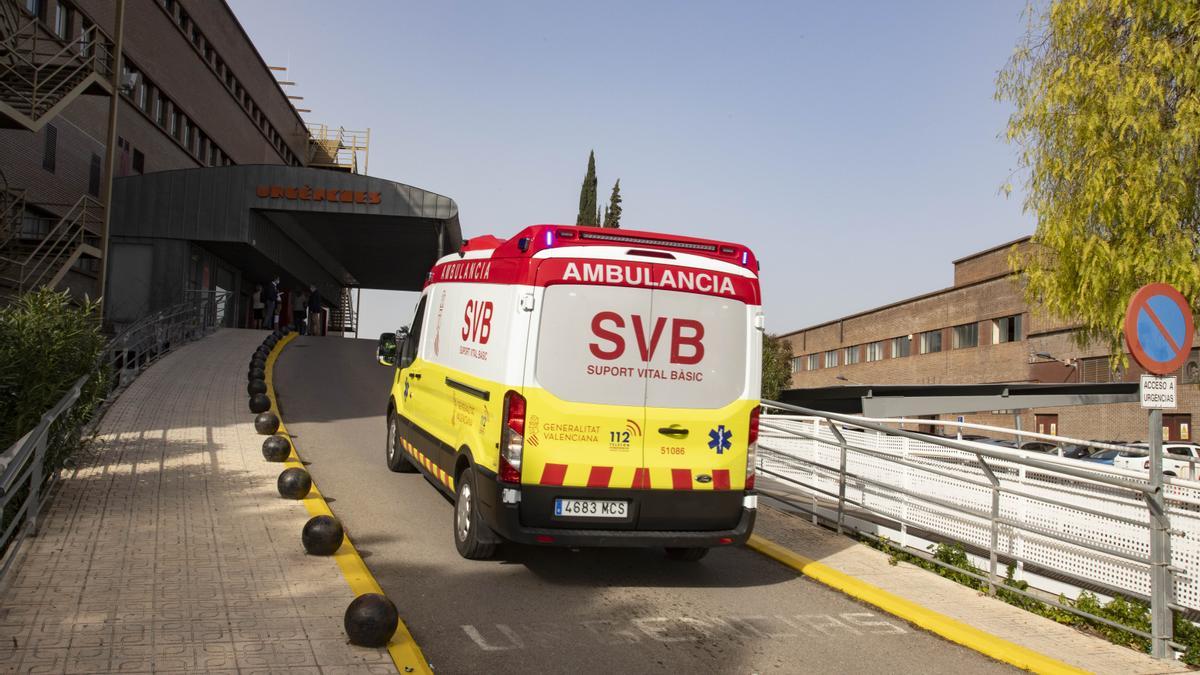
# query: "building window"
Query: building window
{"points": [[142, 96], [1006, 329], [36, 8], [50, 152], [173, 127], [966, 335], [831, 359], [901, 346], [814, 362], [797, 364], [139, 162], [931, 342], [875, 352], [94, 176], [160, 108], [86, 29], [853, 354], [62, 20]]}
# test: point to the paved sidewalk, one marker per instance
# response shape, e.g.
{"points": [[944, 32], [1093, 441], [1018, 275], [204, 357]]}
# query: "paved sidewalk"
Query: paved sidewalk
{"points": [[954, 600], [169, 548]]}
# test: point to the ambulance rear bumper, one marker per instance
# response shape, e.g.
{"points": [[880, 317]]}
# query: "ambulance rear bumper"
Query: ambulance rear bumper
{"points": [[669, 518]]}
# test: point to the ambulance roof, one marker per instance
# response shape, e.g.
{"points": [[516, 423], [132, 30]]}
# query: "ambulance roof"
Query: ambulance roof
{"points": [[536, 238]]}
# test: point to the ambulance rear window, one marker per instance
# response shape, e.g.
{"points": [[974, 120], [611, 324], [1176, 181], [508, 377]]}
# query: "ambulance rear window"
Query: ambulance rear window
{"points": [[629, 346]]}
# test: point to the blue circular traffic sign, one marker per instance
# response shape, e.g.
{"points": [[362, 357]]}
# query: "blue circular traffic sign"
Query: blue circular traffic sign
{"points": [[1158, 328]]}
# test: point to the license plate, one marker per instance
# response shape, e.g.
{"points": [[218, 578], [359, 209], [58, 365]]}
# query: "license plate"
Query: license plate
{"points": [[591, 508]]}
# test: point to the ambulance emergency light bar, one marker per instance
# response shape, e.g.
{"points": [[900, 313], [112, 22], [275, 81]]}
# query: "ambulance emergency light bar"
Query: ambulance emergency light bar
{"points": [[539, 237]]}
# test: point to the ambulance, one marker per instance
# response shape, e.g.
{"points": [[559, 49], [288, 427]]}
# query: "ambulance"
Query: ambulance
{"points": [[578, 386]]}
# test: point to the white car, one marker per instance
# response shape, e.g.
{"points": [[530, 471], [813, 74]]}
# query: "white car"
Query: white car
{"points": [[1175, 456]]}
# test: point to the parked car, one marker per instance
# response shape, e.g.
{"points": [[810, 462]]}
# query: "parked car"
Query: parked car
{"points": [[1175, 456], [1109, 456], [1038, 446]]}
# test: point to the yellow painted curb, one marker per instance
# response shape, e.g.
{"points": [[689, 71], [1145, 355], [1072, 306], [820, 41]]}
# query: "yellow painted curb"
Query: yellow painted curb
{"points": [[405, 653], [934, 622]]}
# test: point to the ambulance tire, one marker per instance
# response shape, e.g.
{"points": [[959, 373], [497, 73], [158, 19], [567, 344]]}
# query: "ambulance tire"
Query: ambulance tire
{"points": [[688, 554], [468, 525], [396, 458]]}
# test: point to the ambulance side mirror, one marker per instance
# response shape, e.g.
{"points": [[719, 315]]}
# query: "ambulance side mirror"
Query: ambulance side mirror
{"points": [[405, 349], [385, 351]]}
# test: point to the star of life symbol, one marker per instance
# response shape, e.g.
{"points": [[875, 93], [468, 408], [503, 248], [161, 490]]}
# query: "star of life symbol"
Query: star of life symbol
{"points": [[719, 439]]}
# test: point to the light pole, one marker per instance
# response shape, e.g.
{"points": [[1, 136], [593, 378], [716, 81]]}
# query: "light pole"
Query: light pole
{"points": [[110, 149]]}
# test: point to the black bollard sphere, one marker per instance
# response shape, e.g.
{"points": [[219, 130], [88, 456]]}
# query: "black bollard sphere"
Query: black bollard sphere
{"points": [[276, 449], [258, 362], [294, 483], [285, 330], [266, 423], [256, 374], [256, 386], [371, 619], [259, 403], [322, 535], [262, 353]]}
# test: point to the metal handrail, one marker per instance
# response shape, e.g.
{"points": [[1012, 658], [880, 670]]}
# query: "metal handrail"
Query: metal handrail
{"points": [[1161, 599], [68, 234], [26, 50], [24, 473]]}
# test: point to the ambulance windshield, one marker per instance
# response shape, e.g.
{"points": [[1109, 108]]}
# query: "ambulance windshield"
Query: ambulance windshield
{"points": [[631, 346]]}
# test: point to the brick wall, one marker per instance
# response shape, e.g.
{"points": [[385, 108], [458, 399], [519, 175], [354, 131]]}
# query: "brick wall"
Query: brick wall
{"points": [[984, 290]]}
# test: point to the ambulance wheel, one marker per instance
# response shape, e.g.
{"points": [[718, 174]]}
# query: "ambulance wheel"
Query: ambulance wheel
{"points": [[396, 459], [467, 523], [689, 554]]}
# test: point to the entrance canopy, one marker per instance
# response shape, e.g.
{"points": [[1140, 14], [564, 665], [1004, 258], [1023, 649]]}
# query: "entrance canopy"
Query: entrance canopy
{"points": [[313, 226]]}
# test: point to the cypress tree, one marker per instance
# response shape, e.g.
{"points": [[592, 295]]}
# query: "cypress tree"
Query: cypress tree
{"points": [[612, 215], [588, 208]]}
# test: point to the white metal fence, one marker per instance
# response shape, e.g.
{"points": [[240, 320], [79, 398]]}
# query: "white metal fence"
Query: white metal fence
{"points": [[1080, 524]]}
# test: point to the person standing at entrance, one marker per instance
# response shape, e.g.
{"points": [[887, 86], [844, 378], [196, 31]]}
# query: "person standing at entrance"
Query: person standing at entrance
{"points": [[315, 324], [256, 303], [299, 309], [272, 303]]}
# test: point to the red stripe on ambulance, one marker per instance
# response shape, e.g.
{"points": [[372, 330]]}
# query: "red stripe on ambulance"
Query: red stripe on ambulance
{"points": [[553, 474], [720, 479], [681, 479], [641, 479], [599, 476]]}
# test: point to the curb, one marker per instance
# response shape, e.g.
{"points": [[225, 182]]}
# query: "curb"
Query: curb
{"points": [[951, 629], [405, 653]]}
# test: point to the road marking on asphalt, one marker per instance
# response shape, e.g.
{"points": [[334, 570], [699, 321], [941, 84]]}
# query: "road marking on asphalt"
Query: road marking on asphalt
{"points": [[670, 629], [935, 622], [405, 653]]}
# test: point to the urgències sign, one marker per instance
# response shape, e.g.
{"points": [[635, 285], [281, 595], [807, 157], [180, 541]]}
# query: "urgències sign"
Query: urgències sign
{"points": [[307, 193]]}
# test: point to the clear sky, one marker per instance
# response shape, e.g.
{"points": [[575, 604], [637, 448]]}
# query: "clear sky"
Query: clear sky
{"points": [[856, 147]]}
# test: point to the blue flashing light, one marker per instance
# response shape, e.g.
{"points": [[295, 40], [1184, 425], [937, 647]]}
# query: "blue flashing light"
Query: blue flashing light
{"points": [[745, 257], [549, 237]]}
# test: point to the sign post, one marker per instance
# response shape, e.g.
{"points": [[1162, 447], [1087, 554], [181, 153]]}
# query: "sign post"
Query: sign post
{"points": [[1158, 331]]}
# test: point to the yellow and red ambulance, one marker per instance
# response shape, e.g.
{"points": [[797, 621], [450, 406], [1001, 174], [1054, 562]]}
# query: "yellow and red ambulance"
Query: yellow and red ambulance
{"points": [[578, 386]]}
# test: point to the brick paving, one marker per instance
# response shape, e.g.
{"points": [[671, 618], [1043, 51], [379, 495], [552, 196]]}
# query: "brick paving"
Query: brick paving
{"points": [[954, 600], [169, 549]]}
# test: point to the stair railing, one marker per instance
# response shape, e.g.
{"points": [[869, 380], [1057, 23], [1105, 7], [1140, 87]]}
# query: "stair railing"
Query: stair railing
{"points": [[57, 247], [40, 69]]}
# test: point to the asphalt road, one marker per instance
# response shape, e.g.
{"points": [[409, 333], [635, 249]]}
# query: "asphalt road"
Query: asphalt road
{"points": [[556, 610]]}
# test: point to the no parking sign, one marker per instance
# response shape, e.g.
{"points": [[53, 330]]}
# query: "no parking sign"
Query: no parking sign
{"points": [[1158, 328]]}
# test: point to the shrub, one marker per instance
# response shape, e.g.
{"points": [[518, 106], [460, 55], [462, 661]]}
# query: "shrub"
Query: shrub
{"points": [[47, 342]]}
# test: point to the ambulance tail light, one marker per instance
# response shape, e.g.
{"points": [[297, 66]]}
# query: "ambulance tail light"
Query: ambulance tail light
{"points": [[752, 448], [512, 438]]}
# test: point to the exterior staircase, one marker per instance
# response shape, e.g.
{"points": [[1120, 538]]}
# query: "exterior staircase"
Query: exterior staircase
{"points": [[343, 318], [41, 74], [29, 259]]}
